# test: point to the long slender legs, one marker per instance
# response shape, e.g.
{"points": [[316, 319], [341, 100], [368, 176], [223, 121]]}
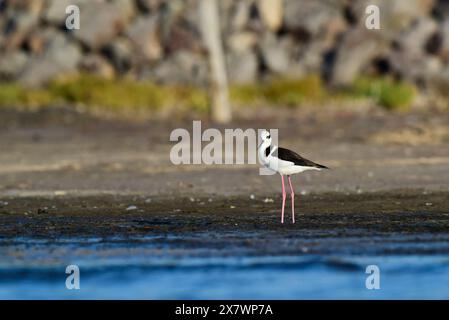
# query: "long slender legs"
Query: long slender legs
{"points": [[293, 199], [283, 199]]}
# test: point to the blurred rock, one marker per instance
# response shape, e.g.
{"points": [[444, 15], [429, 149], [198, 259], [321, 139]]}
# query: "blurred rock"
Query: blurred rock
{"points": [[415, 67], [12, 64], [181, 68], [314, 17], [150, 5], [440, 82], [39, 39], [183, 37], [411, 60], [271, 12], [35, 43], [287, 58], [239, 15], [36, 6], [444, 34], [97, 65], [144, 35], [241, 41], [17, 28], [191, 16], [310, 58], [126, 7], [31, 6], [416, 38], [276, 53], [60, 58], [101, 22], [357, 50], [242, 67], [120, 54], [159, 40]]}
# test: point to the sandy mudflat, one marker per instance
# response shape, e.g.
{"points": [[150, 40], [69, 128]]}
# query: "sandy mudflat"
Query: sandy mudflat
{"points": [[63, 173], [320, 216], [70, 153]]}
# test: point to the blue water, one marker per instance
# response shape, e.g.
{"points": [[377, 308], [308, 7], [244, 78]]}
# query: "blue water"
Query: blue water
{"points": [[35, 269]]}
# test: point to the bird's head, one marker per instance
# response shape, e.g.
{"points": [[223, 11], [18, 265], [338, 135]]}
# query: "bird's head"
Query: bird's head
{"points": [[266, 136]]}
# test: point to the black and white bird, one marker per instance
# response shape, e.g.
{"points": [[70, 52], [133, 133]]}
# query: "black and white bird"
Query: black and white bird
{"points": [[285, 162]]}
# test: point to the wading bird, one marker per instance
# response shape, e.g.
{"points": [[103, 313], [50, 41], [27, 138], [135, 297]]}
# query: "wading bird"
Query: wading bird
{"points": [[285, 162]]}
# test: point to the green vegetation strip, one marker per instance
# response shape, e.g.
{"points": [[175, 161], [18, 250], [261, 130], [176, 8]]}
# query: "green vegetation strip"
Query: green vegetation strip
{"points": [[124, 95]]}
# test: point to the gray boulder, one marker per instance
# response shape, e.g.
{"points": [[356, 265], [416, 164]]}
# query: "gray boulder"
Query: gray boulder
{"points": [[102, 21], [12, 64], [415, 67], [60, 58], [411, 61], [181, 68], [310, 58], [283, 56], [276, 53], [144, 34], [97, 65], [314, 17], [30, 6], [21, 23], [242, 67], [120, 53], [356, 51], [38, 40], [415, 38]]}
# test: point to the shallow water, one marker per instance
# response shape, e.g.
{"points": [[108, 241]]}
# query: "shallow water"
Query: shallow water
{"points": [[192, 267]]}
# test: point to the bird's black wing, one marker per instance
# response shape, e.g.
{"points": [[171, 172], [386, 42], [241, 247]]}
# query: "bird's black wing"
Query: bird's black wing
{"points": [[288, 155]]}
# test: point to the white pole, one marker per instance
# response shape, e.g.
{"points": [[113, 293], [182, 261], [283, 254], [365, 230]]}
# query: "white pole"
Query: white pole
{"points": [[210, 25]]}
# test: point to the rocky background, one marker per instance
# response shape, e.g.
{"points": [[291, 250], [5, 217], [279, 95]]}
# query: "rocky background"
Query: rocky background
{"points": [[160, 40]]}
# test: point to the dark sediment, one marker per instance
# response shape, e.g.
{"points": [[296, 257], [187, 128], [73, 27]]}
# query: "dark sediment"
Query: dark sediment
{"points": [[331, 214]]}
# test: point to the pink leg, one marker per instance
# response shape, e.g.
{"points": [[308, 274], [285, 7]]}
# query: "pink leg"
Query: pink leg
{"points": [[293, 198], [283, 199]]}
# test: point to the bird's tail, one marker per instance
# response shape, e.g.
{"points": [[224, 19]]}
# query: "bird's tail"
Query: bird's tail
{"points": [[321, 166]]}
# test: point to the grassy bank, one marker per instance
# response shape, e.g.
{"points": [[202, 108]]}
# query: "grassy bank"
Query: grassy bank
{"points": [[127, 95]]}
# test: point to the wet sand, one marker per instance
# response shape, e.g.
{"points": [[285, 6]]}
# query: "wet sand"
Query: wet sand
{"points": [[318, 216]]}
